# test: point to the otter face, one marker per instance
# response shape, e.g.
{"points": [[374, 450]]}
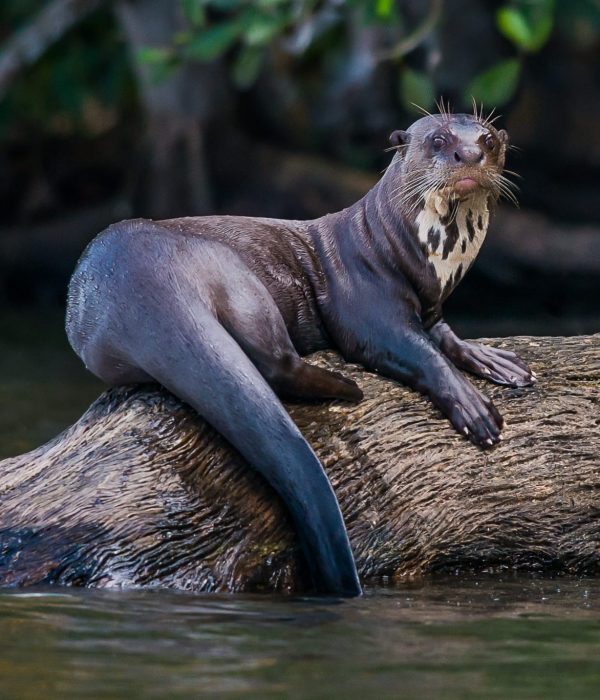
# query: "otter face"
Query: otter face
{"points": [[457, 156]]}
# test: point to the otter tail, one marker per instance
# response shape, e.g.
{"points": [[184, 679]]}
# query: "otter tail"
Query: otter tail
{"points": [[191, 354]]}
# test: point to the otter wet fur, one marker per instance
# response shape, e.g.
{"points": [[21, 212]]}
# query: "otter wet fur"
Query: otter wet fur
{"points": [[219, 310]]}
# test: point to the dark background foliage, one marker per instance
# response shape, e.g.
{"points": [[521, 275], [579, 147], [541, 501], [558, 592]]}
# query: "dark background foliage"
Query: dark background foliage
{"points": [[122, 108]]}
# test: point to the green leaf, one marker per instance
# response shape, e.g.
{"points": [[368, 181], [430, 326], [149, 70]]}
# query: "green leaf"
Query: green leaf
{"points": [[384, 8], [528, 27], [261, 29], [540, 32], [514, 26], [416, 88], [247, 66], [154, 55], [161, 61], [213, 42], [260, 33], [496, 85], [194, 12]]}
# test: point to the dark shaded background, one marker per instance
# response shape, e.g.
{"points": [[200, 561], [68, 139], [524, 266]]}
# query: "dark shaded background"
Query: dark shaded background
{"points": [[129, 108]]}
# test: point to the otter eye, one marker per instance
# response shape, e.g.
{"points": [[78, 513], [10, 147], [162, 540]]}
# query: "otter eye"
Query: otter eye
{"points": [[438, 142], [490, 142]]}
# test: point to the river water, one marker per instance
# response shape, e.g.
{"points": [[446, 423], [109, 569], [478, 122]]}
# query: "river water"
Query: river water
{"points": [[477, 637], [519, 638]]}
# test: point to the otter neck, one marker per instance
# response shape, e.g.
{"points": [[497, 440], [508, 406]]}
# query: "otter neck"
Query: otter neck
{"points": [[431, 246], [451, 233]]}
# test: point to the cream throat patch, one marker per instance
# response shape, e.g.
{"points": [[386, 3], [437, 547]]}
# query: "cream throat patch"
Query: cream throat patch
{"points": [[451, 234]]}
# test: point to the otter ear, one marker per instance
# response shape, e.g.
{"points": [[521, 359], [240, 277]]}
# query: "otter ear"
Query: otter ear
{"points": [[399, 138], [503, 136]]}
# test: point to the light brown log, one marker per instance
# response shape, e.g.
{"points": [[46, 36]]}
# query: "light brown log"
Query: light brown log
{"points": [[140, 491]]}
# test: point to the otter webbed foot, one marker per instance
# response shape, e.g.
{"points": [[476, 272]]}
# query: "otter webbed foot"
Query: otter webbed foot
{"points": [[471, 413], [409, 356], [498, 366]]}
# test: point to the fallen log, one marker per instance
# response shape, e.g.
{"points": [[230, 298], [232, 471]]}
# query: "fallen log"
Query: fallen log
{"points": [[141, 492]]}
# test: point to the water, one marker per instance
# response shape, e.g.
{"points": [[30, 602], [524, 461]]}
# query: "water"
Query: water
{"points": [[43, 385], [486, 637], [449, 639]]}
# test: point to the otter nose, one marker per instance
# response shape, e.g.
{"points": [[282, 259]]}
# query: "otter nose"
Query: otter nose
{"points": [[468, 154]]}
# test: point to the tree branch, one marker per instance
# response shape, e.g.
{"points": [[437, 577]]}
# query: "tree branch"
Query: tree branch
{"points": [[417, 36], [28, 44]]}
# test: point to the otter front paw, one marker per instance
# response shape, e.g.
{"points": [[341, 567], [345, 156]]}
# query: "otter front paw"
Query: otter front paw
{"points": [[497, 366], [472, 414]]}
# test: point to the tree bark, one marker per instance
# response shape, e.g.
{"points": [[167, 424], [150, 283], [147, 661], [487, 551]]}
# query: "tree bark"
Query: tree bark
{"points": [[178, 108], [140, 491]]}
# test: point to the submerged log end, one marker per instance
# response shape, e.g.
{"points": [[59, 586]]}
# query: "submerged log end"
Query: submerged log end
{"points": [[142, 492]]}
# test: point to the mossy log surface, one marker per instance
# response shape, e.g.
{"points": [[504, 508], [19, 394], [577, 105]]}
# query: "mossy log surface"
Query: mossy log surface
{"points": [[141, 492]]}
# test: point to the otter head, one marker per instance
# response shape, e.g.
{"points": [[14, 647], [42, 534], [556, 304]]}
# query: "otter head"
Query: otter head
{"points": [[455, 156]]}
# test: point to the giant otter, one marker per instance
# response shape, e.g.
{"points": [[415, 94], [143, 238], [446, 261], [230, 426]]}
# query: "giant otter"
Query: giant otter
{"points": [[220, 309]]}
